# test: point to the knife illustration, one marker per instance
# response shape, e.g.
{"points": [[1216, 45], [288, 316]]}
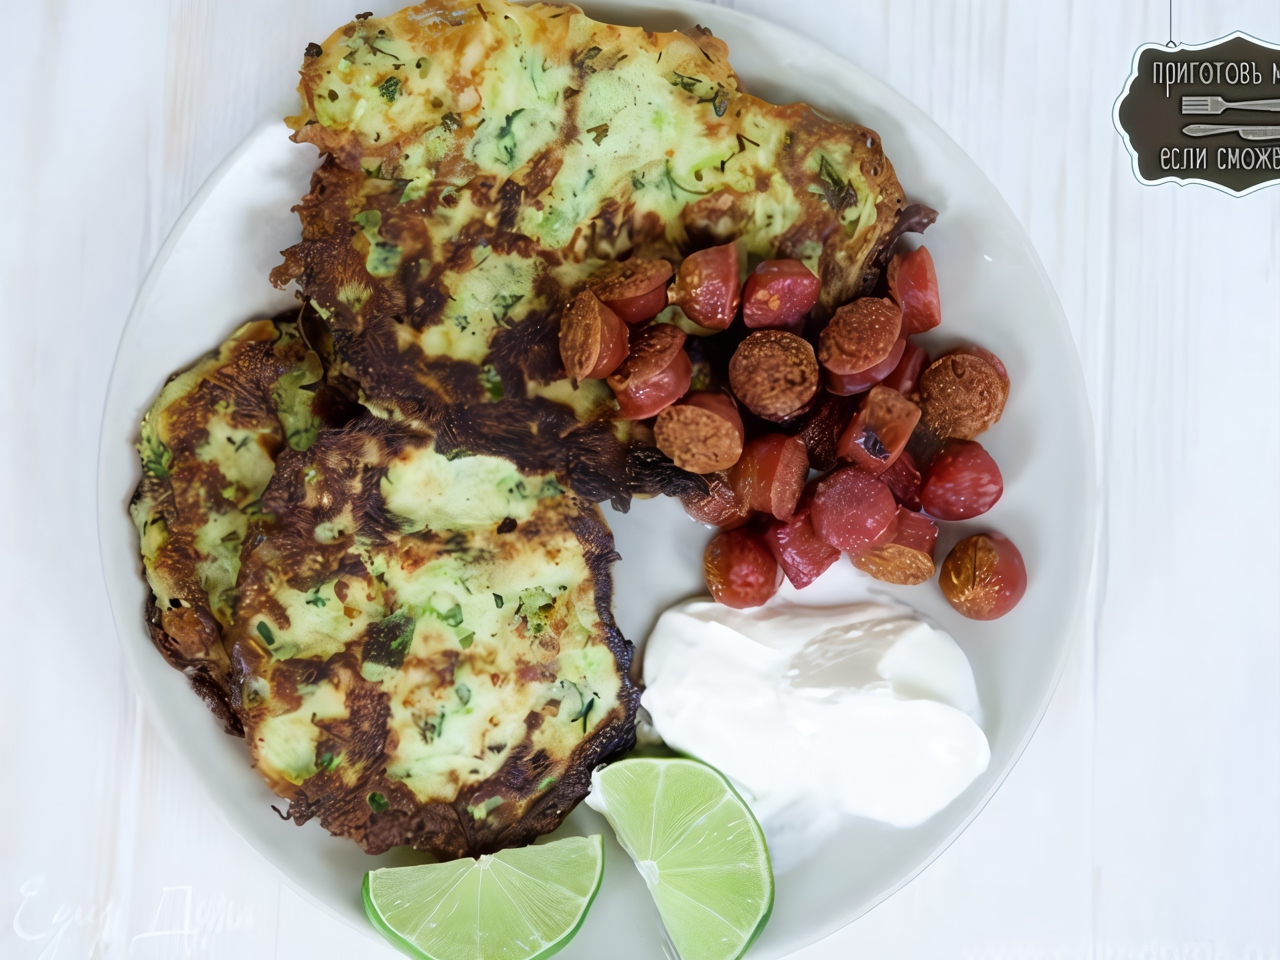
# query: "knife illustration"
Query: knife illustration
{"points": [[1247, 132]]}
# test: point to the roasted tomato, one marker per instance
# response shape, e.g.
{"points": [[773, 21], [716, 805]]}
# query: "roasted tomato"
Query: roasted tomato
{"points": [[770, 474], [593, 339], [852, 510], [706, 287], [879, 433], [719, 506], [778, 295], [914, 284], [655, 374], [908, 557], [983, 576], [904, 480], [963, 482], [740, 570], [635, 289], [847, 384], [801, 553], [906, 374]]}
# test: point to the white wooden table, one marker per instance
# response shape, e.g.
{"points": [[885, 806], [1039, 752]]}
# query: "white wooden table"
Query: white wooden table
{"points": [[1144, 820]]}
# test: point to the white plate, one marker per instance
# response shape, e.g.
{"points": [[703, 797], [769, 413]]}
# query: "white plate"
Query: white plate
{"points": [[212, 275]]}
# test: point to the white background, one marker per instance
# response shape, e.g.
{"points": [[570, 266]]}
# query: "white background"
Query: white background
{"points": [[1144, 820]]}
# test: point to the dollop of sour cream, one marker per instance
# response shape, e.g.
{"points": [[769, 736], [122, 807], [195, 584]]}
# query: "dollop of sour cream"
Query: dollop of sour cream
{"points": [[817, 713]]}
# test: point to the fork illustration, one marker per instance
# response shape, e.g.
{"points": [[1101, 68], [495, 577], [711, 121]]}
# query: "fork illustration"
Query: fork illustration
{"points": [[1216, 105]]}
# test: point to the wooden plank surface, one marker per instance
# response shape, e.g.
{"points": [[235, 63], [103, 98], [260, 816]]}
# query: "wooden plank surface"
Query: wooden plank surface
{"points": [[1144, 819]]}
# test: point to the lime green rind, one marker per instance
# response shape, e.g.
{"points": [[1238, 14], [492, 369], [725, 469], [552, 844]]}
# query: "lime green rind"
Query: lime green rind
{"points": [[764, 863], [411, 949]]}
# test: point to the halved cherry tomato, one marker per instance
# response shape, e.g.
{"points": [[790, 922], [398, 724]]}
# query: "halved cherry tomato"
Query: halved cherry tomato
{"points": [[706, 287], [904, 480], [801, 553], [906, 374], [853, 510], [914, 284], [740, 570], [778, 295], [635, 289], [982, 353], [648, 398], [964, 482], [770, 474], [719, 507], [908, 557], [847, 384], [593, 339], [879, 433], [644, 307]]}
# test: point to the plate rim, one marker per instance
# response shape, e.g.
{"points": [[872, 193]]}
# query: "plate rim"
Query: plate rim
{"points": [[1084, 562]]}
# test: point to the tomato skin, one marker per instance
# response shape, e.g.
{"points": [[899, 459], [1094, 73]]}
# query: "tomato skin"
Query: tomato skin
{"points": [[639, 401], [984, 576], [847, 384], [964, 482], [801, 553], [740, 570], [914, 284], [904, 480], [770, 475], [640, 308], [778, 295], [706, 287], [853, 510], [916, 531], [906, 374], [984, 354]]}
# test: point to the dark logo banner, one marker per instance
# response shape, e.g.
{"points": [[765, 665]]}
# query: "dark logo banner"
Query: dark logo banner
{"points": [[1208, 113]]}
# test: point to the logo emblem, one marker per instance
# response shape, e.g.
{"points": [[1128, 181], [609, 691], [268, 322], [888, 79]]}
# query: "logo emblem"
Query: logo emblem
{"points": [[1207, 113]]}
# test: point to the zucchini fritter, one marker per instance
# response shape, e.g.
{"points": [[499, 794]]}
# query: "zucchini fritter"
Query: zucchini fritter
{"points": [[208, 447], [482, 160], [423, 650]]}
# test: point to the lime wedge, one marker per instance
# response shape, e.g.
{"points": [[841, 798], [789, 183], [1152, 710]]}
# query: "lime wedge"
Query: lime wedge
{"points": [[698, 848], [519, 904]]}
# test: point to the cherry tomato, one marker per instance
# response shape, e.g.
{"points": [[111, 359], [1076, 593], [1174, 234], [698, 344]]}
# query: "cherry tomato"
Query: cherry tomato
{"points": [[593, 340], [778, 294], [879, 433], [740, 570], [904, 480], [635, 289], [719, 507], [706, 287], [847, 384], [644, 307], [648, 398], [914, 284], [908, 557], [906, 374], [983, 576], [963, 482], [770, 474], [853, 510], [803, 555], [984, 354]]}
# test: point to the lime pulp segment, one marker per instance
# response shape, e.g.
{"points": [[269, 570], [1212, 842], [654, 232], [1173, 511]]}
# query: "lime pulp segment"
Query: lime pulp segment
{"points": [[520, 904], [698, 847]]}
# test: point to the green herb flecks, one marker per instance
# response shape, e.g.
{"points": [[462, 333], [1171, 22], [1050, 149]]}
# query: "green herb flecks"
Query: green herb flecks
{"points": [[839, 193], [506, 139], [157, 458], [503, 303], [388, 640], [378, 803], [491, 382], [389, 88], [583, 714], [463, 692], [315, 600], [497, 600], [265, 633]]}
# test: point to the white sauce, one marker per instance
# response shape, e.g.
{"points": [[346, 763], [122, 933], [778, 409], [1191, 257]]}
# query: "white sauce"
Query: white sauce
{"points": [[817, 713]]}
